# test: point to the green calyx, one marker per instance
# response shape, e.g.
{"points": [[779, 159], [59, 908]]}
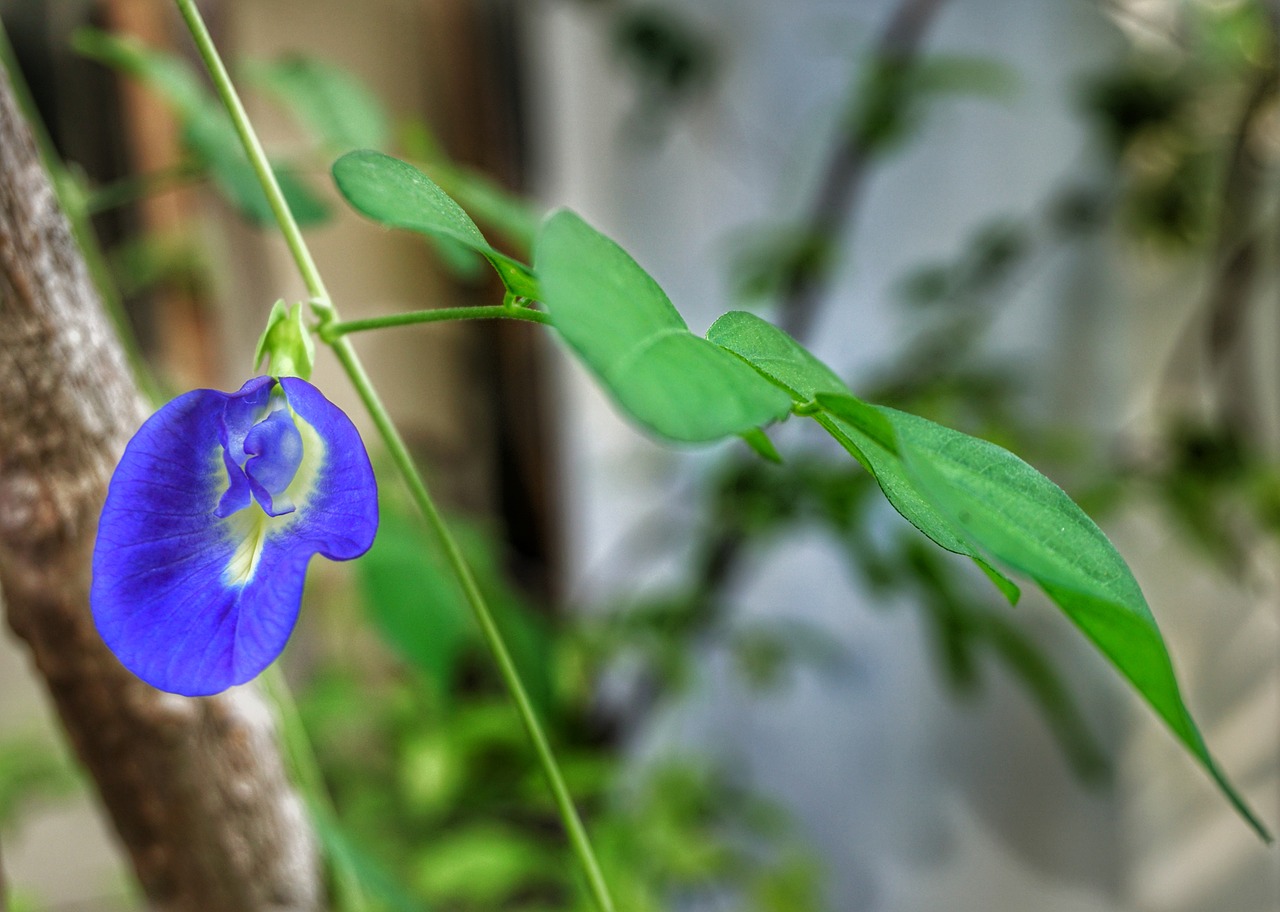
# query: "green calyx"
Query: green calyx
{"points": [[286, 343]]}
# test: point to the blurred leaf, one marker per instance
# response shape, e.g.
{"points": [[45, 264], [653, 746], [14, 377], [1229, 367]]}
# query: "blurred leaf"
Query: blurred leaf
{"points": [[374, 879], [768, 259], [794, 885], [207, 132], [173, 260], [341, 112], [414, 602], [31, 770], [622, 325], [396, 194], [766, 650], [963, 629], [893, 90], [420, 610], [168, 75], [484, 864], [783, 360], [668, 56], [959, 75]]}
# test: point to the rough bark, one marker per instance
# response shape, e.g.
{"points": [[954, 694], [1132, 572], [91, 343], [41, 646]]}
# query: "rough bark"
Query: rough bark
{"points": [[195, 787]]}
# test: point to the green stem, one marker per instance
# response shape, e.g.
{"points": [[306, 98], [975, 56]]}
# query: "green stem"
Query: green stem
{"points": [[439, 315], [305, 768], [510, 676], [327, 316]]}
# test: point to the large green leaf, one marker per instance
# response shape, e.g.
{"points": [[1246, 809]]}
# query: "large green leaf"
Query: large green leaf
{"points": [[207, 132], [974, 497], [863, 432], [1029, 524], [396, 194], [624, 328]]}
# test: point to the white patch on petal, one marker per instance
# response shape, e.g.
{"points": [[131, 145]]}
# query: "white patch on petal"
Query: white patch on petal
{"points": [[250, 528]]}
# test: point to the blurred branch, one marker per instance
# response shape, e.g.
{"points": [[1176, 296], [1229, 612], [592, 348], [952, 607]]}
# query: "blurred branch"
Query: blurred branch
{"points": [[836, 199], [4, 903], [1239, 255], [195, 788]]}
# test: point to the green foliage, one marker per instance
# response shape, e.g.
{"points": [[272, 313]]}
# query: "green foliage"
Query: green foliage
{"points": [[670, 60], [511, 216], [869, 438], [981, 500], [893, 93], [396, 194], [624, 328], [418, 606], [207, 133], [967, 495], [339, 110], [31, 770]]}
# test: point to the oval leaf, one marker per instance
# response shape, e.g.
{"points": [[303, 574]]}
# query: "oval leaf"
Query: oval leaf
{"points": [[859, 428], [334, 105], [396, 194], [618, 321]]}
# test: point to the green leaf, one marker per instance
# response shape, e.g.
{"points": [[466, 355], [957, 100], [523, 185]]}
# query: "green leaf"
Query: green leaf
{"points": [[396, 194], [212, 140], [414, 602], [759, 441], [979, 499], [1029, 524], [484, 864], [207, 132], [335, 106], [626, 331], [168, 75], [369, 871], [858, 427], [417, 606]]}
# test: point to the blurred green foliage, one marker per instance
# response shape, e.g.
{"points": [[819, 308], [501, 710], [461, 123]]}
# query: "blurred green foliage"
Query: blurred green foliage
{"points": [[438, 803]]}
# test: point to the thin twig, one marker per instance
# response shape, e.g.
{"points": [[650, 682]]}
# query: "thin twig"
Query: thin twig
{"points": [[836, 199]]}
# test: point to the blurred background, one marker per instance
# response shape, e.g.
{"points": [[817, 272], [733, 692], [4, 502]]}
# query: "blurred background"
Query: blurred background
{"points": [[1052, 224]]}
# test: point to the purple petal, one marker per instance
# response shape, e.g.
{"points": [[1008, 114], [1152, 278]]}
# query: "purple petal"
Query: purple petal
{"points": [[274, 448], [194, 602]]}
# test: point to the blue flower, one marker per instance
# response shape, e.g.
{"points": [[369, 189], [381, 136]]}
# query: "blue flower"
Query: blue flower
{"points": [[212, 516]]}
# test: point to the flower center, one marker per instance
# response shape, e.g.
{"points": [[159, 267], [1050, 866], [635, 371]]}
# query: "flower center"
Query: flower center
{"points": [[261, 451]]}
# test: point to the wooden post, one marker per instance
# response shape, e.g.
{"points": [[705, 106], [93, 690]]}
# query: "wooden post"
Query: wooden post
{"points": [[196, 788]]}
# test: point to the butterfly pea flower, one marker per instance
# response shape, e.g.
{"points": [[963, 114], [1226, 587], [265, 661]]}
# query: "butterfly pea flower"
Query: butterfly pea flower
{"points": [[216, 508]]}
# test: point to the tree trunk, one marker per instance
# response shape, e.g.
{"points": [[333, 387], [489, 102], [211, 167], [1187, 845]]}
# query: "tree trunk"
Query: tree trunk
{"points": [[195, 787]]}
